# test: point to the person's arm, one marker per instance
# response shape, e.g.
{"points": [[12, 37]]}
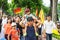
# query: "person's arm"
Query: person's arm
{"points": [[22, 25], [39, 23], [26, 25], [44, 27], [25, 30], [33, 16], [54, 26], [35, 27]]}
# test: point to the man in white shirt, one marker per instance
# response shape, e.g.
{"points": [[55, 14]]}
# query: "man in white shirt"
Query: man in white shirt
{"points": [[48, 26], [4, 21]]}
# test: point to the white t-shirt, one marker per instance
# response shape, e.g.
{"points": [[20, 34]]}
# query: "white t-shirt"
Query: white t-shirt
{"points": [[39, 26], [48, 26], [4, 21], [30, 15]]}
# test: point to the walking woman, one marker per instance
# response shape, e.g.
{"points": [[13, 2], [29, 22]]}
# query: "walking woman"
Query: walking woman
{"points": [[7, 27]]}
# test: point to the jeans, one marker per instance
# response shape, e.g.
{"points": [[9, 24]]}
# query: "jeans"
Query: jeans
{"points": [[48, 36], [22, 38]]}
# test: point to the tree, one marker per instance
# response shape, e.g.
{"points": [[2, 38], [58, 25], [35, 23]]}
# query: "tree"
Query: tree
{"points": [[0, 3], [53, 9], [32, 4]]}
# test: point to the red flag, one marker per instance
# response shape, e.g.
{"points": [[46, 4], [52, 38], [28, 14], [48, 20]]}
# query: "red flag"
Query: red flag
{"points": [[36, 12], [17, 10]]}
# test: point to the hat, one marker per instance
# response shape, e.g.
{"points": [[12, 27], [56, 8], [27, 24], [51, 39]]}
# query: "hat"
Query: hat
{"points": [[13, 24], [27, 10]]}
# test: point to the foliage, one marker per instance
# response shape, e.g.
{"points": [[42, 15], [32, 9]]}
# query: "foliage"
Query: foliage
{"points": [[32, 4], [46, 10], [56, 36], [0, 3], [58, 9]]}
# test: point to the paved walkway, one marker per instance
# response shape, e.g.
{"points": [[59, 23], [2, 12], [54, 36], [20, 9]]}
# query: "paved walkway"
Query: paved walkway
{"points": [[52, 39]]}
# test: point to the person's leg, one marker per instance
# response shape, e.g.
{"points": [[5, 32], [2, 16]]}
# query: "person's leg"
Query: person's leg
{"points": [[50, 36], [6, 37], [34, 38], [22, 38], [27, 38], [47, 36], [40, 30]]}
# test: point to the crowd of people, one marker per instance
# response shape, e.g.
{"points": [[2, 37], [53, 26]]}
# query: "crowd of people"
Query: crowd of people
{"points": [[27, 27]]}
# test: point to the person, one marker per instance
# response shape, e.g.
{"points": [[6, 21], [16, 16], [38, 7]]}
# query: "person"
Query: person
{"points": [[18, 20], [7, 28], [30, 29], [48, 26], [28, 14], [39, 28], [0, 26], [14, 32], [0, 23], [4, 20]]}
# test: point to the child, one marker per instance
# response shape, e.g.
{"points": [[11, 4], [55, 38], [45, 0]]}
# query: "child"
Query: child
{"points": [[14, 33], [30, 29], [48, 26]]}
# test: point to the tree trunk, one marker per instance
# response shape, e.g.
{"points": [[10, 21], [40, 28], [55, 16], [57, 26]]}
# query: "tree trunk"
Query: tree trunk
{"points": [[50, 12], [54, 10]]}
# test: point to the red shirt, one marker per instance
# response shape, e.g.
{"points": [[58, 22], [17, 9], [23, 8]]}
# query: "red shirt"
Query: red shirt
{"points": [[14, 34], [7, 27]]}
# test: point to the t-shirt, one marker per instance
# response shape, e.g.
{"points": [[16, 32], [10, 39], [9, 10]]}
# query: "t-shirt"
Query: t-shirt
{"points": [[29, 15], [7, 27], [14, 34], [48, 26], [4, 21]]}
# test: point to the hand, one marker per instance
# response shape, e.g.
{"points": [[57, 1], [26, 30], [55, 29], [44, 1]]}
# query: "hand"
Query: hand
{"points": [[34, 24], [36, 34], [24, 34], [26, 24]]}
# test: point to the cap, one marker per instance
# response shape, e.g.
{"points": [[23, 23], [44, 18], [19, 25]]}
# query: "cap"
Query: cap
{"points": [[27, 10]]}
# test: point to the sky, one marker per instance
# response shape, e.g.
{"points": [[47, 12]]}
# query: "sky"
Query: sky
{"points": [[47, 2]]}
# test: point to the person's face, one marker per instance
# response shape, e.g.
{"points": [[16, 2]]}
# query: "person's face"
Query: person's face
{"points": [[9, 21], [48, 18], [30, 22], [17, 19], [28, 13], [14, 27]]}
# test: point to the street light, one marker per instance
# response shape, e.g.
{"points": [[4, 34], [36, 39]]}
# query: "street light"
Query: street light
{"points": [[9, 1]]}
